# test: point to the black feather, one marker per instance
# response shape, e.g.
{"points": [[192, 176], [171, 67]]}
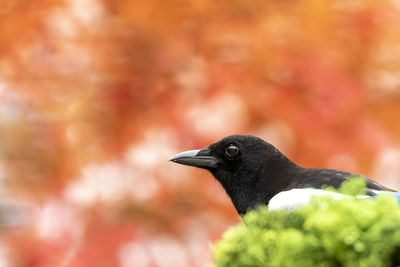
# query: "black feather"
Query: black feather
{"points": [[257, 171]]}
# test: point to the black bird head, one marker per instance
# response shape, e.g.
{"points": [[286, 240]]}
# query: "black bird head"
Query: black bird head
{"points": [[247, 167]]}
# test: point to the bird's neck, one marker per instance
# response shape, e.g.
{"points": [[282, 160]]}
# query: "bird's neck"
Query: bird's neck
{"points": [[275, 180], [260, 190], [240, 198]]}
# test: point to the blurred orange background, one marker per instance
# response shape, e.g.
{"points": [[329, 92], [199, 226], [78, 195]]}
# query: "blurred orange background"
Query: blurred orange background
{"points": [[96, 96]]}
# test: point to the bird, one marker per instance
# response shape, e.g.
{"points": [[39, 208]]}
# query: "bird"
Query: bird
{"points": [[253, 172]]}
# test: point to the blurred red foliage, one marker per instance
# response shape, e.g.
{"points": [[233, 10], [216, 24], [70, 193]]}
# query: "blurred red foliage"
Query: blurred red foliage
{"points": [[96, 95]]}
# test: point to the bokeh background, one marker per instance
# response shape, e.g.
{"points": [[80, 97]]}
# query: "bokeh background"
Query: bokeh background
{"points": [[96, 96]]}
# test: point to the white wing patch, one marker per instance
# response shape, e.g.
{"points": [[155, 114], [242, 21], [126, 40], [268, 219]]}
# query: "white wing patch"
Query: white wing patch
{"points": [[295, 198], [378, 192]]}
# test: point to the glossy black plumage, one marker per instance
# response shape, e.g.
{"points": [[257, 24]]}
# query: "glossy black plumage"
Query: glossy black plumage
{"points": [[252, 171]]}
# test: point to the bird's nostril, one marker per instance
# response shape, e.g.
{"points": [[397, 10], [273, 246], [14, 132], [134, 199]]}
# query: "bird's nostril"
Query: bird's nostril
{"points": [[204, 152]]}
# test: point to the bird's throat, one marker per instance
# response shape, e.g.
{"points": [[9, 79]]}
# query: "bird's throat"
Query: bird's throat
{"points": [[240, 199]]}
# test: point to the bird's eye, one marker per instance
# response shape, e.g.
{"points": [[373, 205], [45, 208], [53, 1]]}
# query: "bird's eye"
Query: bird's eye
{"points": [[231, 151]]}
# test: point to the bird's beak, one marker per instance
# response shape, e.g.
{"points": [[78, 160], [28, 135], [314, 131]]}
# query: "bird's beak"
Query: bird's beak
{"points": [[197, 158]]}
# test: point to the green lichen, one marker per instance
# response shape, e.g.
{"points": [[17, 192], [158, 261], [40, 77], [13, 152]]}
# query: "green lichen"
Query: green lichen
{"points": [[326, 232]]}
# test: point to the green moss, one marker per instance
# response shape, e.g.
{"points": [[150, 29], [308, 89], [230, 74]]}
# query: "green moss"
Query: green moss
{"points": [[326, 232]]}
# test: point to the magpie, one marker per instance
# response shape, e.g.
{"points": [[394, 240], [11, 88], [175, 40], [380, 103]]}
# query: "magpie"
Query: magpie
{"points": [[253, 172]]}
